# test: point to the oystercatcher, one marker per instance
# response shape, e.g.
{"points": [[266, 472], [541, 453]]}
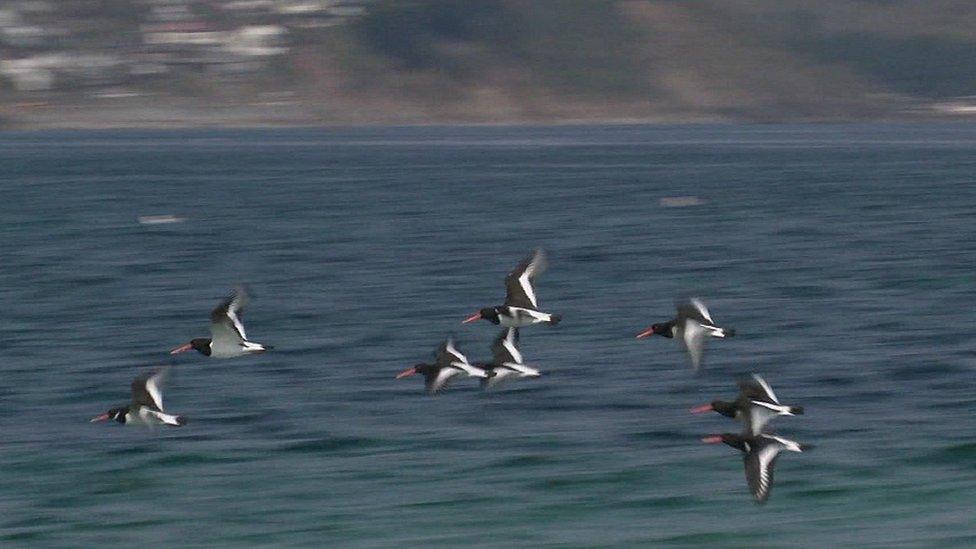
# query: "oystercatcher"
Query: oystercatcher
{"points": [[692, 326], [228, 338], [760, 453], [507, 362], [147, 404], [755, 406], [521, 307], [448, 363]]}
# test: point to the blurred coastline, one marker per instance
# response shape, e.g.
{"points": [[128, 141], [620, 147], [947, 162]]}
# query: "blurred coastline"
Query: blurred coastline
{"points": [[234, 63]]}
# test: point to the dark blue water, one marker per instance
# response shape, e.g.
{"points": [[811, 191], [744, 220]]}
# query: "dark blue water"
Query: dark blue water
{"points": [[843, 255]]}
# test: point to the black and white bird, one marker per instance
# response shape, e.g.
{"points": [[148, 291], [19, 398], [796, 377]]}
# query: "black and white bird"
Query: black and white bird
{"points": [[449, 363], [507, 363], [228, 338], [760, 453], [147, 404], [692, 326], [755, 406], [521, 307]]}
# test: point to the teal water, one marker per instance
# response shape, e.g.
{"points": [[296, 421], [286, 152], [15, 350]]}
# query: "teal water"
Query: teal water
{"points": [[843, 255]]}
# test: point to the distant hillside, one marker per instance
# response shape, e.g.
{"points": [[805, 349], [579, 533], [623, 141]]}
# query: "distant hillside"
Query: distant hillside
{"points": [[760, 60], [520, 61]]}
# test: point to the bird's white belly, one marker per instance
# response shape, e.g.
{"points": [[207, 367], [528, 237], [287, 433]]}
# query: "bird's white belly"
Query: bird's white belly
{"points": [[510, 322], [142, 417], [221, 349], [523, 317], [501, 375]]}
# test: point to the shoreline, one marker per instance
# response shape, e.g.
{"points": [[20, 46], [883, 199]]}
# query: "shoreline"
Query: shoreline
{"points": [[186, 124]]}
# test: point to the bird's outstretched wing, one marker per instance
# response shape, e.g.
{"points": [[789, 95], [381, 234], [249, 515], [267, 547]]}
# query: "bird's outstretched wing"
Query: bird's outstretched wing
{"points": [[505, 347], [757, 389], [147, 389], [518, 284], [227, 316], [447, 353], [438, 381], [694, 341], [759, 464], [694, 309]]}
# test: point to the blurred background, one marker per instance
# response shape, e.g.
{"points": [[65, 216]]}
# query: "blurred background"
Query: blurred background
{"points": [[118, 63]]}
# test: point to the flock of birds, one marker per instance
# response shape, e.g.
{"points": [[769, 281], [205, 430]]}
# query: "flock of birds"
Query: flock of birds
{"points": [[227, 340], [521, 308], [755, 406]]}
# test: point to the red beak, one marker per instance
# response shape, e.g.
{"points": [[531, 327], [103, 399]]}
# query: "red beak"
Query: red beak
{"points": [[712, 439], [645, 333], [407, 372], [702, 409], [102, 417], [472, 318], [181, 349]]}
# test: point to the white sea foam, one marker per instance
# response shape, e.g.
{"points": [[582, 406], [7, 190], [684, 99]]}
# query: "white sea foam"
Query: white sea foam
{"points": [[680, 201], [159, 219]]}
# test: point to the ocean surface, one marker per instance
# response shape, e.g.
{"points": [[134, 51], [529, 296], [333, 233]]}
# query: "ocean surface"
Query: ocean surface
{"points": [[843, 255]]}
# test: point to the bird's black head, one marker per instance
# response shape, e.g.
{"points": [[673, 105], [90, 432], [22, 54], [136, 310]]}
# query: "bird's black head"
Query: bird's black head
{"points": [[490, 314], [421, 368], [200, 344], [736, 441], [118, 414], [727, 409], [661, 329]]}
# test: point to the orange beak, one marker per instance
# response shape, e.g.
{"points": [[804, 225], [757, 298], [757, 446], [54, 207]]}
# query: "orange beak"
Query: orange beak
{"points": [[102, 417], [472, 318], [702, 409], [181, 349], [407, 372], [645, 333]]}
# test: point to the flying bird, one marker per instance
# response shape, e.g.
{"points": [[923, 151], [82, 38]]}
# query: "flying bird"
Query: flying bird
{"points": [[693, 325], [228, 338], [449, 363], [760, 453], [755, 406], [521, 307], [147, 404], [507, 362]]}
